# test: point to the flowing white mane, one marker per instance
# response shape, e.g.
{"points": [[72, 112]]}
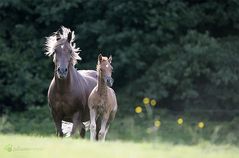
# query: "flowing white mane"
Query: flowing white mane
{"points": [[52, 42]]}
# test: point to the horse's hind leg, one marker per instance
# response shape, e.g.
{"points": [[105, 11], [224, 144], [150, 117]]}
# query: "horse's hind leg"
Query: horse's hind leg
{"points": [[98, 125], [82, 132]]}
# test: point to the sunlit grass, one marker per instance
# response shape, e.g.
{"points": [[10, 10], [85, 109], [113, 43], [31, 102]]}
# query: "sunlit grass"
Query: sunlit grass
{"points": [[32, 146]]}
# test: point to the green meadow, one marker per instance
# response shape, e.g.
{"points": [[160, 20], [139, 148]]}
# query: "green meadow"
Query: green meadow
{"points": [[22, 146]]}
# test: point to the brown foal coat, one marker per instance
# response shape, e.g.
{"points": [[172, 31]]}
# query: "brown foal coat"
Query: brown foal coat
{"points": [[102, 101]]}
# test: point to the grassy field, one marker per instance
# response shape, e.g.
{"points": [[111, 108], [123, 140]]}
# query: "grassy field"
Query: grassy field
{"points": [[21, 146]]}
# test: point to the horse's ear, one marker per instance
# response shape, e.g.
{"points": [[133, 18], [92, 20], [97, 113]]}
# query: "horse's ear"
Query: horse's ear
{"points": [[69, 36], [100, 57], [110, 59]]}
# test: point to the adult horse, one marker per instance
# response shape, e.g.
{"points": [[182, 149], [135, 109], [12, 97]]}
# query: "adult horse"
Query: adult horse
{"points": [[69, 89]]}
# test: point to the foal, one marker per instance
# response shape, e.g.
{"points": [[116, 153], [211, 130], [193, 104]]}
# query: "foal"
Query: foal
{"points": [[102, 100]]}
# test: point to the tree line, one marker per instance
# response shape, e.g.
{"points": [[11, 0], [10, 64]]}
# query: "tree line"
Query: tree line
{"points": [[181, 52]]}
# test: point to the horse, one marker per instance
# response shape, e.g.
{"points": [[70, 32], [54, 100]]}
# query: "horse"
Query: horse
{"points": [[102, 100], [69, 89]]}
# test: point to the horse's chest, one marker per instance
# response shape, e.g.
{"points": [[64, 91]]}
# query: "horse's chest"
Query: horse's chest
{"points": [[100, 109], [62, 103], [101, 106], [65, 102]]}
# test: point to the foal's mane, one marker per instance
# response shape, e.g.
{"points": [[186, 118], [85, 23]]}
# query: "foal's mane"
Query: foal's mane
{"points": [[52, 42]]}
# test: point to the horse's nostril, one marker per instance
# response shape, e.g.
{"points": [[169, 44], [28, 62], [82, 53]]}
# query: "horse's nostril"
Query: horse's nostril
{"points": [[62, 70]]}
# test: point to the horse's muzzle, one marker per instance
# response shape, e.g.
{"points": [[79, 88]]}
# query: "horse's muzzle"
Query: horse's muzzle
{"points": [[62, 73], [109, 81]]}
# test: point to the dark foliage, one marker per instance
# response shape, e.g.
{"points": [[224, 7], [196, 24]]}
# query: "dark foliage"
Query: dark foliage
{"points": [[183, 52]]}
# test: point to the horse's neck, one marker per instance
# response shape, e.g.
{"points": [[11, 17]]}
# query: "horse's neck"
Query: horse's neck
{"points": [[102, 87], [64, 85]]}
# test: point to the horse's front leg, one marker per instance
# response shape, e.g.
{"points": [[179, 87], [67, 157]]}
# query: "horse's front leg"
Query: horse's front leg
{"points": [[58, 122], [104, 127], [59, 132], [92, 124], [111, 118], [76, 123]]}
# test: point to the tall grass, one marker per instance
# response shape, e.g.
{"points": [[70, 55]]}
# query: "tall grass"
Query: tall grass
{"points": [[38, 121]]}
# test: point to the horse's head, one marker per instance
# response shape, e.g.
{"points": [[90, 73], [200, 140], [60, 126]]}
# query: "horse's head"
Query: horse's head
{"points": [[62, 57], [104, 67], [61, 46]]}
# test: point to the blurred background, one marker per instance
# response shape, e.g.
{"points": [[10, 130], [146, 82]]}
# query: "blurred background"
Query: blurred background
{"points": [[176, 65]]}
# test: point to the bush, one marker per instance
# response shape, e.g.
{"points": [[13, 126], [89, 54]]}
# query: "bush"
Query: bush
{"points": [[200, 72], [36, 120]]}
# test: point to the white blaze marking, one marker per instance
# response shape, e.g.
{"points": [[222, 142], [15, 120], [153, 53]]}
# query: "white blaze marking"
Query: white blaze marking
{"points": [[107, 65], [62, 46]]}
